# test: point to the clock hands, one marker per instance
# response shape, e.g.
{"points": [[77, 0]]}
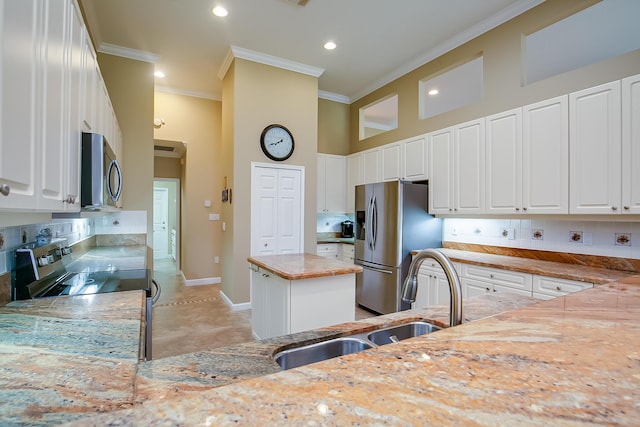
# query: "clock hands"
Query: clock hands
{"points": [[277, 142]]}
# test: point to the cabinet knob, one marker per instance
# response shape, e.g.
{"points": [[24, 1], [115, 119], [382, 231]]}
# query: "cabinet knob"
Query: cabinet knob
{"points": [[517, 209], [70, 199], [488, 290], [626, 208], [5, 189], [614, 208], [524, 209], [491, 275], [558, 288], [265, 245], [450, 209]]}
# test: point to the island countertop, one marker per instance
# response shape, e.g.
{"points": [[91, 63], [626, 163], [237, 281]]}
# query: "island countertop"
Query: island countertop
{"points": [[303, 266], [573, 360]]}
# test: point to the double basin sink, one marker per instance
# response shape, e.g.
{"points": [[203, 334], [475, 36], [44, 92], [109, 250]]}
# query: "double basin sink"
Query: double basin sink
{"points": [[299, 356]]}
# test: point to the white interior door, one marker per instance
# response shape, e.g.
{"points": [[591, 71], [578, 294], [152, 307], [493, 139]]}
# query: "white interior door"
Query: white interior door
{"points": [[276, 210], [160, 222]]}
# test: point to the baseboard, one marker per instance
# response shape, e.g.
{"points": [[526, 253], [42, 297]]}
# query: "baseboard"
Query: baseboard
{"points": [[199, 282], [235, 307]]}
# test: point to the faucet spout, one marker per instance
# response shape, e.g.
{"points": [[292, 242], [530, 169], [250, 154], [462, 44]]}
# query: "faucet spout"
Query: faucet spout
{"points": [[410, 286]]}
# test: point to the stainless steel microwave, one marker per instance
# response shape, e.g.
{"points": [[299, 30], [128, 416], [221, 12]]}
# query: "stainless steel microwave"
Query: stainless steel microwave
{"points": [[101, 175]]}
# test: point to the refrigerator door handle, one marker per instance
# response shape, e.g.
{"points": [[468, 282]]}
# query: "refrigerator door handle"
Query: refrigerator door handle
{"points": [[374, 221], [370, 222], [379, 270]]}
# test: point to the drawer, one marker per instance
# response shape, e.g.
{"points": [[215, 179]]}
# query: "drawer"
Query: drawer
{"points": [[430, 266], [348, 249], [512, 279], [329, 250], [557, 287]]}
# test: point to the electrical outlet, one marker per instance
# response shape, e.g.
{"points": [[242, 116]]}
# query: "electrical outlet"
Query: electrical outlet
{"points": [[575, 236], [216, 259], [623, 239], [537, 234], [509, 233]]}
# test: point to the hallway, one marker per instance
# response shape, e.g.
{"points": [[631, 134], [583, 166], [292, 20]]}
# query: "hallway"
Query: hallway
{"points": [[187, 319]]}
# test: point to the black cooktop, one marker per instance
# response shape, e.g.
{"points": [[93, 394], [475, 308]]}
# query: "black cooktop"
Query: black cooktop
{"points": [[97, 282]]}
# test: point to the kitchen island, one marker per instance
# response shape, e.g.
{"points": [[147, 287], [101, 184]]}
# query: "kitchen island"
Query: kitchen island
{"points": [[298, 292]]}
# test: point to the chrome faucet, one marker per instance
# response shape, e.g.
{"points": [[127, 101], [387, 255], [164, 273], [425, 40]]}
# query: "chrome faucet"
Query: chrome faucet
{"points": [[410, 286]]}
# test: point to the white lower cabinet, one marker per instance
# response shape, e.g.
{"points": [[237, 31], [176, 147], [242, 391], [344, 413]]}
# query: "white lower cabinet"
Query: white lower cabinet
{"points": [[550, 287], [348, 253], [433, 285], [281, 307], [478, 280], [328, 250]]}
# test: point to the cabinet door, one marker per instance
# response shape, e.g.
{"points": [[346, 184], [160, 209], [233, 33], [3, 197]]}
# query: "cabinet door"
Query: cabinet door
{"points": [[391, 155], [355, 176], [545, 157], [336, 184], [472, 287], [595, 150], [415, 159], [441, 171], [631, 145], [556, 287], [322, 184], [504, 162], [469, 159], [371, 166], [424, 292], [54, 129], [18, 70], [89, 82]]}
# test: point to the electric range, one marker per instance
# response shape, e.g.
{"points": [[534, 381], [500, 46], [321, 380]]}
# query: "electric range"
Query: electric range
{"points": [[41, 272]]}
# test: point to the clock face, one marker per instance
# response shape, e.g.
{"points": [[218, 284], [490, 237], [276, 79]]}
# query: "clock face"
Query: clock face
{"points": [[277, 142]]}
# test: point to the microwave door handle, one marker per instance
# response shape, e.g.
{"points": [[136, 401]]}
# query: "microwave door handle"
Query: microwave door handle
{"points": [[113, 165]]}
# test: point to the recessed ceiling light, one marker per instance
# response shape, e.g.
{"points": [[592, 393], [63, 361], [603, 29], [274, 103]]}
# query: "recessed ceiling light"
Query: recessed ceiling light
{"points": [[433, 92], [159, 74], [329, 45], [220, 11]]}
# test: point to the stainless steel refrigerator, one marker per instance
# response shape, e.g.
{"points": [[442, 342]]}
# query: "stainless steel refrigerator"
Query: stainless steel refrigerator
{"points": [[392, 219]]}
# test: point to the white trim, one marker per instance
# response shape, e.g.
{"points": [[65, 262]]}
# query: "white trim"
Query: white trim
{"points": [[235, 307], [199, 282], [330, 96], [126, 52], [480, 28], [263, 58], [194, 94]]}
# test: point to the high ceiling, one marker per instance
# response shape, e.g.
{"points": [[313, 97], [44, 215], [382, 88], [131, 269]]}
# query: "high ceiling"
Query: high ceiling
{"points": [[378, 40]]}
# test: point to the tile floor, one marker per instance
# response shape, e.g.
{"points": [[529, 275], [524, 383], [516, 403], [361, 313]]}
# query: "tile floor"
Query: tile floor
{"points": [[187, 319]]}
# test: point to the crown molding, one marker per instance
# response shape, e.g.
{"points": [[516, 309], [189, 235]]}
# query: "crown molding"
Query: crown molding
{"points": [[196, 94], [126, 52], [330, 96], [263, 58], [488, 24]]}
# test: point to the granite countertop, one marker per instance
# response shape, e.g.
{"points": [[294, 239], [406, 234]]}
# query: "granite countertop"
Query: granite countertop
{"points": [[107, 258], [64, 357], [572, 360], [303, 266], [560, 270], [333, 237], [67, 358]]}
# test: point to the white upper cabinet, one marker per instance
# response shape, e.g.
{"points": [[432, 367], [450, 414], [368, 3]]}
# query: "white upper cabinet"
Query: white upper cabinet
{"points": [[391, 155], [355, 176], [528, 159], [441, 171], [545, 157], [469, 166], [631, 145], [48, 83], [415, 159], [595, 150], [371, 165], [332, 183], [19, 67], [504, 162]]}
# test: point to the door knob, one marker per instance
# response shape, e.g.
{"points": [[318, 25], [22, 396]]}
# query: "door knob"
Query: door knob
{"points": [[5, 189]]}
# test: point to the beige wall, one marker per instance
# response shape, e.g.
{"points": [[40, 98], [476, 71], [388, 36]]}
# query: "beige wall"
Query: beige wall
{"points": [[262, 95], [503, 88], [333, 127], [197, 123], [130, 85], [167, 167]]}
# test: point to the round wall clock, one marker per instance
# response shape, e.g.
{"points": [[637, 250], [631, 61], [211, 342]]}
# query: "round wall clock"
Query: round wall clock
{"points": [[277, 142]]}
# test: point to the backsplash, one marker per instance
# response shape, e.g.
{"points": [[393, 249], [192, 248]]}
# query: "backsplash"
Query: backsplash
{"points": [[605, 238], [72, 230], [331, 222]]}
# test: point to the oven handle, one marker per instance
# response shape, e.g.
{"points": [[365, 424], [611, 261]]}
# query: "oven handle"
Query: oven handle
{"points": [[158, 291]]}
